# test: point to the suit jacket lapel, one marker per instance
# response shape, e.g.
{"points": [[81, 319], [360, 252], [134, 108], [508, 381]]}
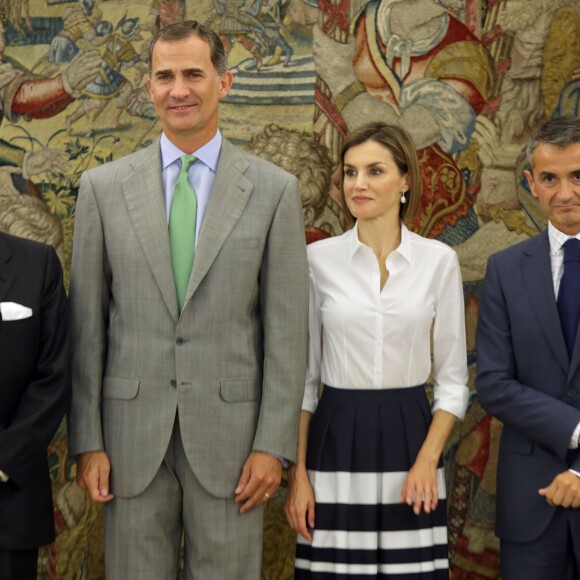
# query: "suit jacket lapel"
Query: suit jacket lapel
{"points": [[575, 360], [229, 196], [143, 190], [6, 273], [537, 273]]}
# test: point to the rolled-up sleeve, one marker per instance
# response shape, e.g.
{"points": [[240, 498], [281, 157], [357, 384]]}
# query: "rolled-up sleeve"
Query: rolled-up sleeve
{"points": [[310, 400], [449, 347]]}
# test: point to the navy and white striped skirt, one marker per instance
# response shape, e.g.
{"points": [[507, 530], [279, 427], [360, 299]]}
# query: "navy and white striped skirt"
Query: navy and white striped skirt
{"points": [[361, 445]]}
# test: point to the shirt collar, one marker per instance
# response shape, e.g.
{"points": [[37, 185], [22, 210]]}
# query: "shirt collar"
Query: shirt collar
{"points": [[403, 249], [557, 238], [208, 154]]}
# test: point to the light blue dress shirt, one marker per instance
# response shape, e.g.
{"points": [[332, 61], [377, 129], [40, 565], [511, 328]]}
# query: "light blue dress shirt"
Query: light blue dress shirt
{"points": [[201, 173]]}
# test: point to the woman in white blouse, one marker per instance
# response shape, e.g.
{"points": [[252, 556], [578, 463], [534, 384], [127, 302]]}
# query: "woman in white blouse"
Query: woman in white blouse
{"points": [[367, 493]]}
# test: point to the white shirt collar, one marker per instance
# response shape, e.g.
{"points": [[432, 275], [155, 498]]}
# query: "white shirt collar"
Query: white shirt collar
{"points": [[403, 249], [557, 238]]}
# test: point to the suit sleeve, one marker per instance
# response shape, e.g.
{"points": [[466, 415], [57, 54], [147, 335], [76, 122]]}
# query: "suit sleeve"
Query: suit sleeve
{"points": [[89, 299], [284, 309], [543, 419], [45, 400]]}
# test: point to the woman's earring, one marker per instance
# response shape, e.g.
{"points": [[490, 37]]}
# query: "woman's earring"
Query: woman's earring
{"points": [[403, 197]]}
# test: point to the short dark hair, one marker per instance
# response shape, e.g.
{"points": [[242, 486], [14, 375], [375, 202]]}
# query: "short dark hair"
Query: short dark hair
{"points": [[398, 141], [559, 131], [187, 28]]}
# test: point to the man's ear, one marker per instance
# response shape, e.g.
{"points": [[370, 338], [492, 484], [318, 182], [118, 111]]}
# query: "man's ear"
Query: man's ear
{"points": [[225, 83], [530, 179]]}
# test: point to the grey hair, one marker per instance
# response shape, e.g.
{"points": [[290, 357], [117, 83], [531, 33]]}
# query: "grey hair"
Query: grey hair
{"points": [[559, 131]]}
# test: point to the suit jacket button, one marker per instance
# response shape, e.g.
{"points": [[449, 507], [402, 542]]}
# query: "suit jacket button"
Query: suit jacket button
{"points": [[180, 341], [571, 393], [173, 383]]}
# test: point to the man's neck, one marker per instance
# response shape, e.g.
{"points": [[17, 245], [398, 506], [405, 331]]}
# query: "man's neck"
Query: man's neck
{"points": [[567, 232], [190, 143]]}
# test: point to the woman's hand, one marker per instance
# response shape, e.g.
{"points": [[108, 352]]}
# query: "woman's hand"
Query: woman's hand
{"points": [[420, 486], [299, 506]]}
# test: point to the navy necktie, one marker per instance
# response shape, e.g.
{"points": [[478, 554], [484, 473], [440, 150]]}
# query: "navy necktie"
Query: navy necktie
{"points": [[569, 293]]}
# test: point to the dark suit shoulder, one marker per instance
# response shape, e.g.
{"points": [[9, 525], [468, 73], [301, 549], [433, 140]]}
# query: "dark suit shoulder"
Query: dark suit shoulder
{"points": [[24, 246], [508, 255]]}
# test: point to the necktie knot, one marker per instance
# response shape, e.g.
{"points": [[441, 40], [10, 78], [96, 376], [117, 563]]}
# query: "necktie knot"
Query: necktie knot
{"points": [[572, 250], [186, 162]]}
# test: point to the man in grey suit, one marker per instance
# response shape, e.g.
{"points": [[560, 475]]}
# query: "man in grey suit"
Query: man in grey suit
{"points": [[528, 369], [186, 387]]}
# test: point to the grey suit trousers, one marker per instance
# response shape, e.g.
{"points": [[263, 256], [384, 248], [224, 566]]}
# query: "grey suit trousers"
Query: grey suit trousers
{"points": [[143, 533]]}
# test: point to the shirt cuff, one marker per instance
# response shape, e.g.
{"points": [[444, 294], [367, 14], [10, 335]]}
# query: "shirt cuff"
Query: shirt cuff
{"points": [[310, 400], [3, 477], [575, 436], [574, 472], [282, 460]]}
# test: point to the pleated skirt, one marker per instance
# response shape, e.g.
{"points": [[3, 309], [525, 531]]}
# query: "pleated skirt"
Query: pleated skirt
{"points": [[361, 445]]}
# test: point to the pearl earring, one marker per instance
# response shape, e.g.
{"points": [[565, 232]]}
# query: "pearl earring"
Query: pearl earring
{"points": [[403, 197]]}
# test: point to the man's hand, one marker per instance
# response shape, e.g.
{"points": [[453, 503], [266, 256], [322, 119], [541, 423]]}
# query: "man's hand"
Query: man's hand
{"points": [[93, 470], [564, 491], [260, 479]]}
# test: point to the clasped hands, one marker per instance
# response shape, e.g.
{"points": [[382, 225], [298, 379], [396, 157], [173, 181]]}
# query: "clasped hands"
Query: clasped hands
{"points": [[260, 478]]}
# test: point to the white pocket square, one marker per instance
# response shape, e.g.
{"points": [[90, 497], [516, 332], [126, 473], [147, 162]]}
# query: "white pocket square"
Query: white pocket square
{"points": [[14, 311]]}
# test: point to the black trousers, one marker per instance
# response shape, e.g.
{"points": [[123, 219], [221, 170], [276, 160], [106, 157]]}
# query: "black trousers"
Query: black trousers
{"points": [[18, 564]]}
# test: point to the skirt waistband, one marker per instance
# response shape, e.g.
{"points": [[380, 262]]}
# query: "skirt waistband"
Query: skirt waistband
{"points": [[340, 395]]}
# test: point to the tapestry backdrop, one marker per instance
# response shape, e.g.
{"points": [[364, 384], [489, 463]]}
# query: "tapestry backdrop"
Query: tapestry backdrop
{"points": [[73, 96]]}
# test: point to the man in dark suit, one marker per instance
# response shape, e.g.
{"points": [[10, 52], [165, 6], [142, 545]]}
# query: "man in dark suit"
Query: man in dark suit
{"points": [[528, 373], [34, 394]]}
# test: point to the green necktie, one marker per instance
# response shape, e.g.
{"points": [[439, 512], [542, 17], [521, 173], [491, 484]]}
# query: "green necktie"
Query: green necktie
{"points": [[182, 224]]}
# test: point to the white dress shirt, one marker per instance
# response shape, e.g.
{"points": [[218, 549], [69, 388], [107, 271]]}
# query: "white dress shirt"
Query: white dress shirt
{"points": [[362, 337], [557, 240]]}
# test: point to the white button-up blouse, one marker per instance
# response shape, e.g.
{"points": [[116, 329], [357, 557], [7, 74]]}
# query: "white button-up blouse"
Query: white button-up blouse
{"points": [[362, 337]]}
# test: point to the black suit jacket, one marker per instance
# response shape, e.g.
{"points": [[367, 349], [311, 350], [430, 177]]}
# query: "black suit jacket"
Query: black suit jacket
{"points": [[34, 388], [526, 378]]}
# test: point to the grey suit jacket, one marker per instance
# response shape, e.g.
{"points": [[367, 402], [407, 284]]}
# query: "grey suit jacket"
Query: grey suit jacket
{"points": [[232, 365], [526, 378]]}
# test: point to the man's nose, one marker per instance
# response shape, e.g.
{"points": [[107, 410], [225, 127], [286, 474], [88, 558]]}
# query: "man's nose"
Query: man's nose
{"points": [[179, 89], [568, 190]]}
